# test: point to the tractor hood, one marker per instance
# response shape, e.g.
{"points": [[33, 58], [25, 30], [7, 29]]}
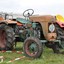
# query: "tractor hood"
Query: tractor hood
{"points": [[42, 18], [8, 21], [21, 20]]}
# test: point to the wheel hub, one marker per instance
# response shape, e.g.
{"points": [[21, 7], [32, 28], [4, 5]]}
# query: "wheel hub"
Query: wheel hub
{"points": [[31, 49]]}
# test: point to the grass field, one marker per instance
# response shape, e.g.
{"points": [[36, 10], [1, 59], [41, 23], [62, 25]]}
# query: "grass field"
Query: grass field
{"points": [[48, 57]]}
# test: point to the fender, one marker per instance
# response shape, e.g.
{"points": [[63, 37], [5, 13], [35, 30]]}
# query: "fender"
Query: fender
{"points": [[60, 20], [61, 24]]}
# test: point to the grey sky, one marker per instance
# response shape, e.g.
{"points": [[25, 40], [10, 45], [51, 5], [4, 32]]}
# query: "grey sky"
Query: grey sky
{"points": [[40, 6]]}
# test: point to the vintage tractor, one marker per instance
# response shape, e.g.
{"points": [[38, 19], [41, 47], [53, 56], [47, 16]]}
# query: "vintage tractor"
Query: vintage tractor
{"points": [[34, 31], [7, 35], [12, 31], [43, 30]]}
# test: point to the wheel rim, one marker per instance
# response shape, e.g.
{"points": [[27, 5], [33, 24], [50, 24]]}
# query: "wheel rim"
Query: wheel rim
{"points": [[31, 48]]}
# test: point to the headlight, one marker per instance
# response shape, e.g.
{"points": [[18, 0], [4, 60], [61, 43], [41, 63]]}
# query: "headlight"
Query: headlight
{"points": [[51, 28]]}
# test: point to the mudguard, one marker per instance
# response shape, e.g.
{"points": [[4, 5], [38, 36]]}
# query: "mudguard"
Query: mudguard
{"points": [[24, 21], [60, 20]]}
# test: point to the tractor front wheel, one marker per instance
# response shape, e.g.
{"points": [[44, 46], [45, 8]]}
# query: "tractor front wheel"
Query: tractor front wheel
{"points": [[33, 47]]}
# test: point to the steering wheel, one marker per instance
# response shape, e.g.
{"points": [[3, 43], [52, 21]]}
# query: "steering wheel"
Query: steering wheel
{"points": [[28, 12]]}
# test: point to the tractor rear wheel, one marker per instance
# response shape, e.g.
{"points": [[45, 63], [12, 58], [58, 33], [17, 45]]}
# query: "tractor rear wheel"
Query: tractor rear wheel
{"points": [[7, 37], [54, 46], [33, 47], [60, 35]]}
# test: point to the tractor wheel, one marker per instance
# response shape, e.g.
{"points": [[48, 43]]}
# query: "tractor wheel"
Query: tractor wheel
{"points": [[33, 47], [7, 37], [60, 35], [60, 32], [53, 46]]}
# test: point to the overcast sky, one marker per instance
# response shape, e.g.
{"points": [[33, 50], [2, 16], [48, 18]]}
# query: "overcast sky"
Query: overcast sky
{"points": [[42, 7]]}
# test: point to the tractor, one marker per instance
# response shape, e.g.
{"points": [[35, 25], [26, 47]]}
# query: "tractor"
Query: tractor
{"points": [[45, 29], [10, 32], [7, 35]]}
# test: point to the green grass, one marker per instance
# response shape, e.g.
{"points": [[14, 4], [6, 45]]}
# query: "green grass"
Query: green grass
{"points": [[48, 57]]}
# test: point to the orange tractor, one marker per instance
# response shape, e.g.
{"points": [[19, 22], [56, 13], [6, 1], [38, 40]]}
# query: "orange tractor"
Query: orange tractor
{"points": [[7, 35]]}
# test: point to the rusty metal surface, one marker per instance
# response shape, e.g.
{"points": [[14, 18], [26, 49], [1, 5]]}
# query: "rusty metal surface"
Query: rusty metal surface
{"points": [[2, 39], [11, 22], [8, 21], [1, 18], [44, 20], [52, 36]]}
